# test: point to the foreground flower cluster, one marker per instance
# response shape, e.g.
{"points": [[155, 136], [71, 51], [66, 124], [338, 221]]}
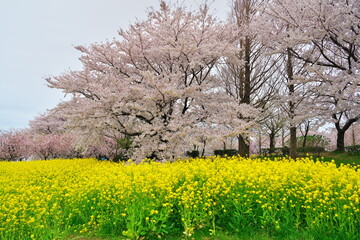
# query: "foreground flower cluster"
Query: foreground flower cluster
{"points": [[49, 199]]}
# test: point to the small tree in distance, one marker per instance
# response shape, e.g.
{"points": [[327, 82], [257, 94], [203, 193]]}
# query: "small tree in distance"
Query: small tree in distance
{"points": [[13, 145]]}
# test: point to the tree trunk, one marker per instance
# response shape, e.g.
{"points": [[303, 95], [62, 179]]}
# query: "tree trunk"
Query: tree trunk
{"points": [[243, 147], [203, 150], [247, 86], [293, 142], [283, 137], [291, 87], [243, 17], [260, 144], [304, 141], [307, 129], [353, 136], [272, 142], [340, 141]]}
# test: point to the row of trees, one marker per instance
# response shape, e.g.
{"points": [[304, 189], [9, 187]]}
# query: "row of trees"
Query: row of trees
{"points": [[51, 142], [34, 143], [18, 145], [182, 79]]}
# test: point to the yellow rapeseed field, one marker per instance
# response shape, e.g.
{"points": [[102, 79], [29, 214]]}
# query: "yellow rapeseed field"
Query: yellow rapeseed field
{"points": [[52, 199]]}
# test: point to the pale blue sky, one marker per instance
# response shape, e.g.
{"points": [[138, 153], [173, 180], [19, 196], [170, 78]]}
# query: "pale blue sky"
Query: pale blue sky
{"points": [[37, 39]]}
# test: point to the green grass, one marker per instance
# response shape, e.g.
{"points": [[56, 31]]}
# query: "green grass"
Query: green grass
{"points": [[340, 158], [244, 235]]}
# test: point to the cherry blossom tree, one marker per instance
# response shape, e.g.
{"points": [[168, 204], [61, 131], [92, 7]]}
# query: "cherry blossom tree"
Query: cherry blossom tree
{"points": [[273, 124], [156, 85], [13, 144], [48, 146], [49, 122], [324, 34], [48, 138], [250, 78]]}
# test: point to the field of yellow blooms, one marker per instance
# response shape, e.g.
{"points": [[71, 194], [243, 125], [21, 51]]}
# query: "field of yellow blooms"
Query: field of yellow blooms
{"points": [[53, 199]]}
